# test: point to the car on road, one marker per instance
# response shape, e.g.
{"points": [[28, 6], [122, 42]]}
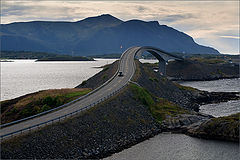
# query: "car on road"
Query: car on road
{"points": [[120, 74]]}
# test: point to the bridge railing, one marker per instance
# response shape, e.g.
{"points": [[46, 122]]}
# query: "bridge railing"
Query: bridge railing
{"points": [[69, 114]]}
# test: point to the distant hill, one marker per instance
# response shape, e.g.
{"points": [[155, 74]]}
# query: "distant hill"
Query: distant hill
{"points": [[96, 35], [41, 56]]}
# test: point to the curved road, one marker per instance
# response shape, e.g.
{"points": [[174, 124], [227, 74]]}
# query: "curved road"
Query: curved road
{"points": [[127, 66]]}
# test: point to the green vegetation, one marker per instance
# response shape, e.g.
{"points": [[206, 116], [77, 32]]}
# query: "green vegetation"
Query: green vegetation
{"points": [[142, 95], [160, 109], [104, 77], [163, 108], [38, 102], [185, 87], [153, 79], [226, 128], [83, 83], [227, 119], [105, 68], [41, 56]]}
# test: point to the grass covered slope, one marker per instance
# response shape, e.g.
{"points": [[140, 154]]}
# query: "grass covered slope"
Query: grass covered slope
{"points": [[161, 87], [101, 77], [38, 102], [160, 108]]}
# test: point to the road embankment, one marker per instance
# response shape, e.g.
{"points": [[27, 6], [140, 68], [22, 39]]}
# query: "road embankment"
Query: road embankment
{"points": [[101, 77], [118, 123]]}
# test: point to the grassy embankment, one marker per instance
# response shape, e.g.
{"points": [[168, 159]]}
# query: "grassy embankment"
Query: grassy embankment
{"points": [[160, 108], [38, 102]]}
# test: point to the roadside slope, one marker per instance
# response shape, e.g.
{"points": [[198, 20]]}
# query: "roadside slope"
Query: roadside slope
{"points": [[101, 77]]}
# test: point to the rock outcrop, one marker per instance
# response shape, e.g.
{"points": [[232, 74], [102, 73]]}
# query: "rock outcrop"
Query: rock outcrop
{"points": [[223, 128]]}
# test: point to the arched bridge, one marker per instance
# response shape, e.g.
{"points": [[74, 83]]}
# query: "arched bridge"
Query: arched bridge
{"points": [[162, 56]]}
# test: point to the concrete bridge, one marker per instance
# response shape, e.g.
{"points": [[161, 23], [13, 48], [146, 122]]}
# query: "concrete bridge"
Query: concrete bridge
{"points": [[162, 56]]}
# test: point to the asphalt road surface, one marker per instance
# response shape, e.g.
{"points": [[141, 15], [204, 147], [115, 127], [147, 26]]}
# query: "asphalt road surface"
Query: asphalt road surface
{"points": [[127, 67]]}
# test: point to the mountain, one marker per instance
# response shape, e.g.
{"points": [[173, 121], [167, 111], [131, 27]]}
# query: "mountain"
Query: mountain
{"points": [[96, 35]]}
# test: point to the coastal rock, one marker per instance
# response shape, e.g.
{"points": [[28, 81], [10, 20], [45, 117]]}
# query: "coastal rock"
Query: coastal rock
{"points": [[223, 128], [216, 97], [181, 123]]}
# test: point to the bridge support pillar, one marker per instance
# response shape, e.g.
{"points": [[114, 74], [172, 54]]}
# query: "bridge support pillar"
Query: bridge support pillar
{"points": [[162, 67]]}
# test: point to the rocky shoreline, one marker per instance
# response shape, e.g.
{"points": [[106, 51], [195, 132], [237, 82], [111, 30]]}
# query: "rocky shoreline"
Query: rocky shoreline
{"points": [[216, 97], [204, 126], [221, 128]]}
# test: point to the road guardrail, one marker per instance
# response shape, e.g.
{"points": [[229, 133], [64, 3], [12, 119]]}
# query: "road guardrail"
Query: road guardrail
{"points": [[67, 104]]}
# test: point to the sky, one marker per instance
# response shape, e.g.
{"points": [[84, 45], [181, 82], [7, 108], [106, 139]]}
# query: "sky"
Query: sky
{"points": [[211, 23]]}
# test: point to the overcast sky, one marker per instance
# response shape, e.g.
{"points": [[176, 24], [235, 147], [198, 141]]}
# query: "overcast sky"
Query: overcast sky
{"points": [[212, 23]]}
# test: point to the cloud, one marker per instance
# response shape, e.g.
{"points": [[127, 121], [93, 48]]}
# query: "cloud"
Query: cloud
{"points": [[177, 17], [232, 37], [141, 9], [13, 10], [224, 45], [207, 22]]}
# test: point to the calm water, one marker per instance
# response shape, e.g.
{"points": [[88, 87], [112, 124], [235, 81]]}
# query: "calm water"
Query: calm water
{"points": [[148, 60], [26, 76], [179, 147], [223, 85]]}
